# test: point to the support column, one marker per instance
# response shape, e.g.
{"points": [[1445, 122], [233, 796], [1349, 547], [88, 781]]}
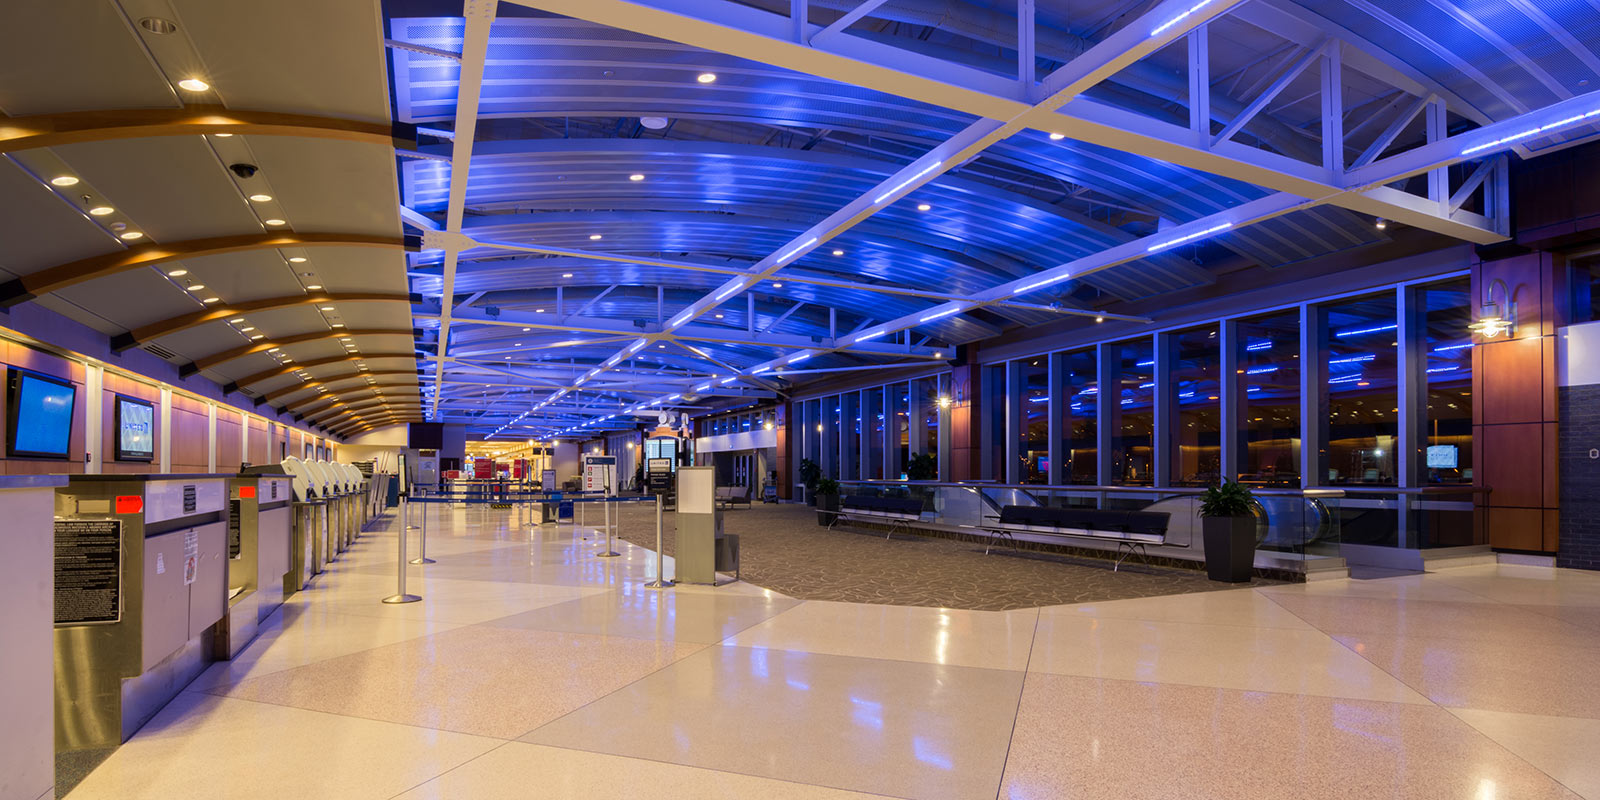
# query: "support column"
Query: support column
{"points": [[966, 406], [1231, 424], [1107, 412], [1058, 419], [786, 444], [1313, 396], [166, 430], [94, 419], [1013, 443], [1515, 401], [1411, 400]]}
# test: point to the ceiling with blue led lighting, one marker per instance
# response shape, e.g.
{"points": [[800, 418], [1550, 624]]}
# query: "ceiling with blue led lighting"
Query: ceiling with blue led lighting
{"points": [[648, 218]]}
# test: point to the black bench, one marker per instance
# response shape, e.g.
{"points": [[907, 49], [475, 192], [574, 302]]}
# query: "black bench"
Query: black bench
{"points": [[1129, 529], [899, 512]]}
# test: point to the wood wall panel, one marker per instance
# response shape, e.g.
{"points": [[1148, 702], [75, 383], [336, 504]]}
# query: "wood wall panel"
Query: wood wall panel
{"points": [[259, 445], [229, 452]]}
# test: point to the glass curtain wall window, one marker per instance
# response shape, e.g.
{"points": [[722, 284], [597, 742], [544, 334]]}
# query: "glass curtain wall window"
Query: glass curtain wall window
{"points": [[835, 426], [928, 392], [1362, 347], [1268, 385], [900, 435], [1447, 310], [1197, 394], [1133, 418], [872, 426], [850, 440], [1034, 449], [1079, 422], [994, 409], [812, 436]]}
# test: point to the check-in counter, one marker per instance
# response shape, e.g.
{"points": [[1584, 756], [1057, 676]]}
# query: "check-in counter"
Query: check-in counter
{"points": [[149, 561], [27, 587], [308, 538], [260, 530]]}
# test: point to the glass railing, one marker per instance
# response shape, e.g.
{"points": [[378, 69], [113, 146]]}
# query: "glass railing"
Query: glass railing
{"points": [[1291, 524]]}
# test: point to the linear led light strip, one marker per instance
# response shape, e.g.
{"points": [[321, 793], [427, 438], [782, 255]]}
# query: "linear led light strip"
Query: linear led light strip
{"points": [[937, 314], [1191, 237], [1040, 283], [913, 179], [730, 290], [1530, 132], [794, 252], [871, 335], [799, 358], [1181, 17]]}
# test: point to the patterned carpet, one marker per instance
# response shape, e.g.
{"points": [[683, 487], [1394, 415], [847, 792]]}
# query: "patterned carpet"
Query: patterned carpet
{"points": [[783, 549]]}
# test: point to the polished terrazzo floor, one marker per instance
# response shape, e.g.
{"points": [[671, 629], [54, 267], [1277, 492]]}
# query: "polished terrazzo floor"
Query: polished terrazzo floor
{"points": [[785, 550], [533, 669]]}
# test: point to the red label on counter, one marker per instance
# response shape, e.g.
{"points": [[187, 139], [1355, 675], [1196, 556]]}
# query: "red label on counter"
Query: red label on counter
{"points": [[247, 492], [130, 504]]}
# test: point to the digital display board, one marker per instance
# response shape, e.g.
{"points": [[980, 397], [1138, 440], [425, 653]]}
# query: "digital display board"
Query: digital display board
{"points": [[40, 415], [136, 429]]}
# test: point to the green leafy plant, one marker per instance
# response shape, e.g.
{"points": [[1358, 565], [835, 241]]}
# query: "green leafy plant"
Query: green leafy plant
{"points": [[922, 467], [810, 474], [1228, 499], [827, 486]]}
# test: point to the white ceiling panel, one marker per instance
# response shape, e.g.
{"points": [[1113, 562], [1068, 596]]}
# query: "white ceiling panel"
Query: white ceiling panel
{"points": [[250, 275], [71, 55], [374, 315], [174, 187], [356, 269], [330, 186], [130, 299], [39, 228], [304, 56]]}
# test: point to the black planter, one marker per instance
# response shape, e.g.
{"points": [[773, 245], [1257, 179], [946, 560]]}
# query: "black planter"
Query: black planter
{"points": [[826, 504], [1230, 548]]}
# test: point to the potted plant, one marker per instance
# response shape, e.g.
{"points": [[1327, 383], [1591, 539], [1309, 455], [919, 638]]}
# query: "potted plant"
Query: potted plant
{"points": [[922, 467], [810, 474], [1228, 521], [827, 500]]}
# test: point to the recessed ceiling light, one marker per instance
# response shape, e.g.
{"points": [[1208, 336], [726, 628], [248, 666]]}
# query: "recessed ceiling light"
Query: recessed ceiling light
{"points": [[131, 235], [634, 177], [247, 330], [777, 286], [212, 300], [193, 85], [838, 252], [923, 207], [719, 316], [595, 237], [276, 222], [158, 25], [314, 286], [195, 287], [338, 325], [261, 198], [101, 211], [64, 180], [706, 77], [258, 337], [222, 135], [297, 259], [236, 320], [1056, 137], [566, 274], [529, 329], [178, 273], [326, 308]]}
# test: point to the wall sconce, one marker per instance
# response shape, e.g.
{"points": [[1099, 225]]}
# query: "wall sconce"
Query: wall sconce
{"points": [[1491, 323], [944, 401]]}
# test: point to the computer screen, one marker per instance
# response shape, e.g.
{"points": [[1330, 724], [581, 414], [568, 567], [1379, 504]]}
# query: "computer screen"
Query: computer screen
{"points": [[136, 430], [40, 422]]}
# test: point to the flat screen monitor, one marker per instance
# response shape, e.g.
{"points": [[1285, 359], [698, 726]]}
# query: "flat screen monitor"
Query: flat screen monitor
{"points": [[136, 430], [1443, 456], [39, 422]]}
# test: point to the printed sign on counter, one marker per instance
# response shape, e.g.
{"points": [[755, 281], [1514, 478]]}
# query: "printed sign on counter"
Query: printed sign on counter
{"points": [[191, 555], [88, 571]]}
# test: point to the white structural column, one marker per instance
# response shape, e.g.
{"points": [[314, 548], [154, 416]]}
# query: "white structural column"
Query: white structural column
{"points": [[94, 409], [479, 16]]}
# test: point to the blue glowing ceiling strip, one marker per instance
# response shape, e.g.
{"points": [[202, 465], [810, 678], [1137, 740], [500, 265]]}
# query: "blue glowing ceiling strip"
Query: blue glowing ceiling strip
{"points": [[1046, 282], [1505, 140], [870, 335], [1259, 346], [945, 313], [907, 182], [1181, 17], [1352, 359], [1261, 371], [680, 319], [730, 290], [1191, 237], [674, 397], [702, 387], [1448, 348], [760, 370], [726, 381], [799, 358]]}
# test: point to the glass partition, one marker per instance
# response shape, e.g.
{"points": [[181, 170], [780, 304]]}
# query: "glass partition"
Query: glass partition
{"points": [[872, 426], [1362, 347], [1269, 399], [1196, 393]]}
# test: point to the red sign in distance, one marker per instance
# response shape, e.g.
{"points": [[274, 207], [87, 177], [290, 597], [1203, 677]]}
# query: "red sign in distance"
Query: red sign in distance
{"points": [[130, 504], [247, 492]]}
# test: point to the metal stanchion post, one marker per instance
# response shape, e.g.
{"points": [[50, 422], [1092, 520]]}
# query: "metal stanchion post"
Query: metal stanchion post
{"points": [[422, 543], [400, 595], [661, 581], [610, 552]]}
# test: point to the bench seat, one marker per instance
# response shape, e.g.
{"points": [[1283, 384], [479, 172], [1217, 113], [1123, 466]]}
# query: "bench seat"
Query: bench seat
{"points": [[897, 511], [1129, 529]]}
